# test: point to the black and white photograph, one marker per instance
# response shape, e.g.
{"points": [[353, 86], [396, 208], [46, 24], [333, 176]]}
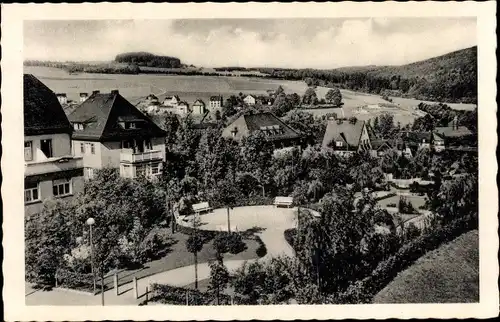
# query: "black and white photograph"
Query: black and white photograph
{"points": [[252, 161]]}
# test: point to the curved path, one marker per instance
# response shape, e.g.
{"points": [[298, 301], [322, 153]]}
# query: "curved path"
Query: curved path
{"points": [[270, 221]]}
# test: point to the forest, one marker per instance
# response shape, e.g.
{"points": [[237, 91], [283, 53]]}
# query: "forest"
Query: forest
{"points": [[451, 78], [148, 59]]}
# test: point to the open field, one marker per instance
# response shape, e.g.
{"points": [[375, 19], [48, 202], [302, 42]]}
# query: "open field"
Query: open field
{"points": [[449, 274], [189, 88]]}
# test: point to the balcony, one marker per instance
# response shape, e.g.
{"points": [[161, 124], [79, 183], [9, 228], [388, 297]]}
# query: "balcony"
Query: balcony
{"points": [[54, 164], [131, 157]]}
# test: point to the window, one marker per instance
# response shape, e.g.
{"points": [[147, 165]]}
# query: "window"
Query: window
{"points": [[28, 151], [61, 187], [339, 143], [148, 144], [155, 168], [92, 148], [127, 144], [140, 171], [78, 126], [88, 173], [31, 192], [46, 147], [82, 148]]}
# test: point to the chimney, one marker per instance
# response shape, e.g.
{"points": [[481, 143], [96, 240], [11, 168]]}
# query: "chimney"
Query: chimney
{"points": [[95, 92], [115, 92]]}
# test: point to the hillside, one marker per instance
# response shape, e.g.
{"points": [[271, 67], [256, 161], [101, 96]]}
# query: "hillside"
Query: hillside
{"points": [[451, 77], [449, 274], [148, 60]]}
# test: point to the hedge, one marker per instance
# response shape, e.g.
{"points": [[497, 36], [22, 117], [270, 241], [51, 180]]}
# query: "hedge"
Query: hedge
{"points": [[166, 294], [72, 280], [290, 236], [262, 249], [364, 290]]}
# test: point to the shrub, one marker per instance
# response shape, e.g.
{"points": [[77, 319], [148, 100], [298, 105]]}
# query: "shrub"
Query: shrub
{"points": [[290, 236], [406, 206], [155, 245], [235, 243], [261, 250], [166, 294], [69, 279], [364, 290]]}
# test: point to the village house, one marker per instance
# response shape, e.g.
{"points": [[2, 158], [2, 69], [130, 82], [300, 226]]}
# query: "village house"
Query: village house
{"points": [[62, 98], [275, 130], [183, 108], [455, 135], [83, 97], [265, 101], [110, 132], [249, 100], [417, 140], [50, 168], [171, 101], [216, 103], [346, 137], [198, 107]]}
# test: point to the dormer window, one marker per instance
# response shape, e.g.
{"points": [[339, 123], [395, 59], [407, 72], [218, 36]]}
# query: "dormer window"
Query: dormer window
{"points": [[234, 131], [339, 143], [78, 126]]}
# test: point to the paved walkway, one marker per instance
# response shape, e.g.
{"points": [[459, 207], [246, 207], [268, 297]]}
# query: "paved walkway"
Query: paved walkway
{"points": [[271, 220]]}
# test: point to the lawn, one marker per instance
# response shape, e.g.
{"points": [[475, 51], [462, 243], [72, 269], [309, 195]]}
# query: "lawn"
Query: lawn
{"points": [[178, 256], [449, 274], [416, 201]]}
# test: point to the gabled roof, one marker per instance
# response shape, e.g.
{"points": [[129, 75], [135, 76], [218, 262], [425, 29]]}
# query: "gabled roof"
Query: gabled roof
{"points": [[199, 102], [43, 113], [346, 132], [272, 126], [416, 137], [378, 144], [103, 112], [216, 98], [453, 131]]}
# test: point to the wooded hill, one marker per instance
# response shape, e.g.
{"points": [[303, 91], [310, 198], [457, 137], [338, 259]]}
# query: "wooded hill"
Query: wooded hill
{"points": [[148, 59], [451, 78]]}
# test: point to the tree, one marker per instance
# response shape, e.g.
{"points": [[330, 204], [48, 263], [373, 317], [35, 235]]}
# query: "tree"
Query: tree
{"points": [[310, 97], [279, 91], [194, 244], [386, 125], [227, 194], [48, 237], [333, 96], [219, 278]]}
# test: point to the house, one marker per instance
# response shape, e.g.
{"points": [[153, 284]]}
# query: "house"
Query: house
{"points": [[198, 107], [62, 98], [111, 132], [183, 108], [455, 135], [417, 140], [171, 101], [249, 100], [346, 137], [50, 168], [438, 142], [263, 100], [275, 130], [379, 147], [83, 97], [151, 98], [216, 102]]}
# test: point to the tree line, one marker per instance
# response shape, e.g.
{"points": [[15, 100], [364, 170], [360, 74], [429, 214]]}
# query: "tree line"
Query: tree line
{"points": [[148, 59]]}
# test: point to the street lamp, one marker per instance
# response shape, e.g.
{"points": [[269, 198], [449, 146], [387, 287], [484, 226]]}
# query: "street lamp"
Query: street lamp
{"points": [[90, 222]]}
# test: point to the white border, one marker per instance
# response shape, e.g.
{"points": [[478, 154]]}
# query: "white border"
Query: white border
{"points": [[12, 165]]}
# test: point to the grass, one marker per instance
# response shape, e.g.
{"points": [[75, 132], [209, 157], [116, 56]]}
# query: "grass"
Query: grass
{"points": [[449, 274], [416, 201], [178, 256]]}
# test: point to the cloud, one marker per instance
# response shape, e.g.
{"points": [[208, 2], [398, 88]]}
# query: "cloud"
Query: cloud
{"points": [[283, 43]]}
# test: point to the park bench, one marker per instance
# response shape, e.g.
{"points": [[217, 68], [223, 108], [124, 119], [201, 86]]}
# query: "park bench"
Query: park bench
{"points": [[201, 207], [283, 201]]}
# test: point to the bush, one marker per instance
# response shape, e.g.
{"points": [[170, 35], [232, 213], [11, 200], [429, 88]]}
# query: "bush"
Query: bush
{"points": [[364, 290], [235, 243], [166, 294], [290, 236], [155, 245], [261, 250], [72, 280], [406, 206]]}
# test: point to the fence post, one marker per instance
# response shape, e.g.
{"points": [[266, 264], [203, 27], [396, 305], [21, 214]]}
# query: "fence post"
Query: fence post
{"points": [[115, 279], [56, 280], [187, 298], [136, 291], [147, 295]]}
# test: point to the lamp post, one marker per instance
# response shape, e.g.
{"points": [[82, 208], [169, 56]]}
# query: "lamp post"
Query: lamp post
{"points": [[91, 222]]}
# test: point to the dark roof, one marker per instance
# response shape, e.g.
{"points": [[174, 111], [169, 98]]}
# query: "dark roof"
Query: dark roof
{"points": [[379, 143], [416, 137], [255, 122], [345, 131], [199, 102], [103, 112], [43, 113], [216, 98]]}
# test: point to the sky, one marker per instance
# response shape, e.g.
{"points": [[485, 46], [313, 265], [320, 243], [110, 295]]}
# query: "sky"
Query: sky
{"points": [[287, 43]]}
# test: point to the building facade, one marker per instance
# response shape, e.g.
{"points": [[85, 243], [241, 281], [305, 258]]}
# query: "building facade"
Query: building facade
{"points": [[249, 100], [198, 107], [216, 103], [110, 132], [51, 170]]}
